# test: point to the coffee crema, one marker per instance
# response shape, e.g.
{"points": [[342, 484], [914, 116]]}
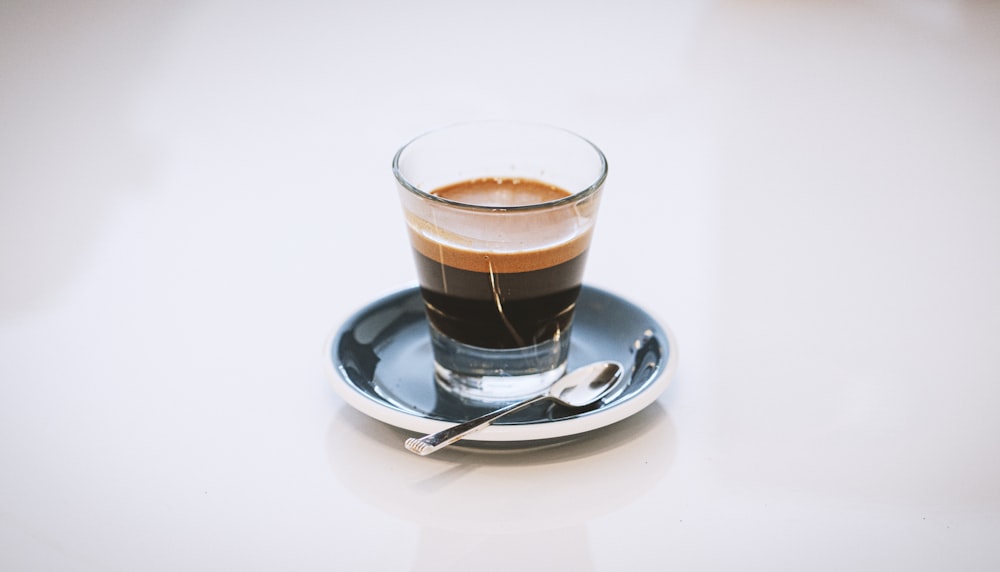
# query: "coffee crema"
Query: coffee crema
{"points": [[502, 299]]}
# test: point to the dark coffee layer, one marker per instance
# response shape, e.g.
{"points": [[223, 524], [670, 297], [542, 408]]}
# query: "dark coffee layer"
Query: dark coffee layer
{"points": [[500, 310]]}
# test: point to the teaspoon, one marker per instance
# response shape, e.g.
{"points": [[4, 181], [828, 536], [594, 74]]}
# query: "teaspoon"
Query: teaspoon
{"points": [[579, 388]]}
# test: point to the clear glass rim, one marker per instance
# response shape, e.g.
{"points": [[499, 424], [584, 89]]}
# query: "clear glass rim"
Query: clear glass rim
{"points": [[573, 197]]}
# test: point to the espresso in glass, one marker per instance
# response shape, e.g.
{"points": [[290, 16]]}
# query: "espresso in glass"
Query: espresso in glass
{"points": [[500, 218], [501, 299]]}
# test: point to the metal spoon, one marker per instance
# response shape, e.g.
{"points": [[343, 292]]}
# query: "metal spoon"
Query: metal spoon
{"points": [[578, 388]]}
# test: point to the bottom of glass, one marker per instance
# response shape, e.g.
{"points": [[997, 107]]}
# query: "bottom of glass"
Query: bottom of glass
{"points": [[498, 375]]}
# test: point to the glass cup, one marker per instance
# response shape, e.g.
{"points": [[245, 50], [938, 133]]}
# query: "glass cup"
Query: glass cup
{"points": [[500, 217]]}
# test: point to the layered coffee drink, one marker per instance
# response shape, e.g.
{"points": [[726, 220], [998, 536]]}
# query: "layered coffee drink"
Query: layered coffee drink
{"points": [[500, 217], [501, 298]]}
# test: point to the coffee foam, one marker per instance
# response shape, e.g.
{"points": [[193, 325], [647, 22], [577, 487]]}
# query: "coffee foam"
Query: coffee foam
{"points": [[495, 261], [501, 192], [480, 243]]}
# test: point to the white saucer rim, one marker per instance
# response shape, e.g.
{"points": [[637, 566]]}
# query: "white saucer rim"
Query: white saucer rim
{"points": [[386, 413]]}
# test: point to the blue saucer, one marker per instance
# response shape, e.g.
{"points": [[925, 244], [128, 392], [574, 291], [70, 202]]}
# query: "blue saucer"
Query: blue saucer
{"points": [[380, 363]]}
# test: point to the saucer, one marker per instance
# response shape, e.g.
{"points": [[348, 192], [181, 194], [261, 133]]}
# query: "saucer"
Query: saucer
{"points": [[380, 363]]}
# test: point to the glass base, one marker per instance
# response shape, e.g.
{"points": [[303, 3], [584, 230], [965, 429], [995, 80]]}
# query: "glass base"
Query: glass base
{"points": [[498, 375]]}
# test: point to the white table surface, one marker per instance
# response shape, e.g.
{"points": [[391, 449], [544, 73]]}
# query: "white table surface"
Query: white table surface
{"points": [[194, 195]]}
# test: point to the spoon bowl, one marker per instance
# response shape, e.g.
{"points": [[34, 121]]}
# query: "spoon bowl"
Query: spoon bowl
{"points": [[586, 385], [579, 388]]}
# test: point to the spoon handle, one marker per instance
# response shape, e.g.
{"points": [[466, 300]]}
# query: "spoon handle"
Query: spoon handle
{"points": [[429, 443]]}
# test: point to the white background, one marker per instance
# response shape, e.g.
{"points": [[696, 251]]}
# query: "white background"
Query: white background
{"points": [[194, 195]]}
